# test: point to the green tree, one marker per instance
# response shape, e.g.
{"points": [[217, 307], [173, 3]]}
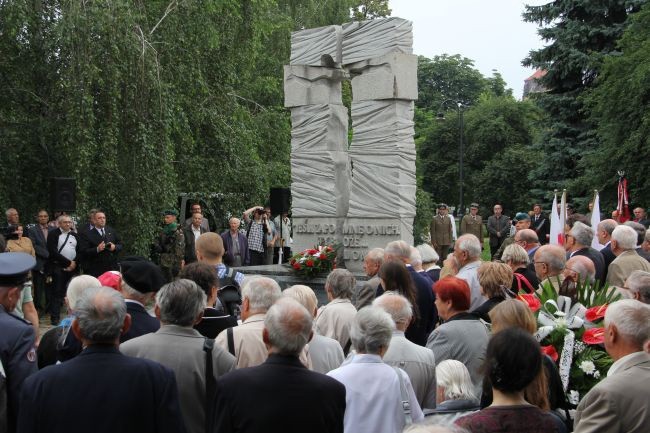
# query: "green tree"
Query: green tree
{"points": [[370, 9]]}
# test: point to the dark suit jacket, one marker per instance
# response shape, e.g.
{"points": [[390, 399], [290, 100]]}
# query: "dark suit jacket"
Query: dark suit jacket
{"points": [[419, 330], [96, 263], [141, 322], [542, 227], [608, 256], [248, 400], [599, 262], [105, 392], [243, 246], [40, 246], [57, 260], [190, 244]]}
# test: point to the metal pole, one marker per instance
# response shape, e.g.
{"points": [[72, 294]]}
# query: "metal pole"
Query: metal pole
{"points": [[461, 151]]}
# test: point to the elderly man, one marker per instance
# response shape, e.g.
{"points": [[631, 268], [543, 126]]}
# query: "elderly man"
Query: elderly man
{"points": [[17, 354], [550, 261], [333, 320], [578, 270], [627, 260], [604, 232], [619, 402], [179, 306], [418, 362], [640, 232], [141, 394], [12, 216], [99, 247], [236, 244], [641, 217], [375, 391], [637, 286], [578, 243], [498, 227], [528, 240], [140, 281], [522, 222], [467, 252], [63, 249], [368, 290], [280, 395], [245, 341], [441, 231], [324, 353], [472, 223], [194, 209], [424, 295]]}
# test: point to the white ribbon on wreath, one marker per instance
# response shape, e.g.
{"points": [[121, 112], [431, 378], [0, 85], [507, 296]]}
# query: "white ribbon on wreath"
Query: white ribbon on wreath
{"points": [[565, 316]]}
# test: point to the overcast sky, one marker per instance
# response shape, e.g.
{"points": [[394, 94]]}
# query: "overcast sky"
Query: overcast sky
{"points": [[492, 33]]}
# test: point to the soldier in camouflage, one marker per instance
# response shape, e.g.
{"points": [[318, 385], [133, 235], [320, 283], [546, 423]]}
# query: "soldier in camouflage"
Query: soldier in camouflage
{"points": [[170, 244]]}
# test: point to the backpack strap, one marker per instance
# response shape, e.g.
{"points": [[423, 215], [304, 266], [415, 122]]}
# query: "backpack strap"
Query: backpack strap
{"points": [[210, 383], [231, 341], [406, 403]]}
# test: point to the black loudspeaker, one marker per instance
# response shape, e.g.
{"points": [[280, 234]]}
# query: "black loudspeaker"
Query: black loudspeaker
{"points": [[63, 194], [280, 200]]}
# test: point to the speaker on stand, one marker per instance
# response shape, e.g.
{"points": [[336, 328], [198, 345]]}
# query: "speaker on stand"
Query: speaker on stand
{"points": [[63, 194]]}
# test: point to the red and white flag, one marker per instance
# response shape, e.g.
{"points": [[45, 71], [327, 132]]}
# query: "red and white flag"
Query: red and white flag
{"points": [[623, 201], [555, 232], [595, 220]]}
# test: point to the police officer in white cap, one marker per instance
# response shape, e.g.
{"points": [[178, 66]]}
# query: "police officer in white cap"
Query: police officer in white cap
{"points": [[17, 352]]}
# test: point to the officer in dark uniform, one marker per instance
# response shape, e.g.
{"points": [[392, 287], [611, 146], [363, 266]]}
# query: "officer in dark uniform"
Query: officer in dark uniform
{"points": [[17, 351]]}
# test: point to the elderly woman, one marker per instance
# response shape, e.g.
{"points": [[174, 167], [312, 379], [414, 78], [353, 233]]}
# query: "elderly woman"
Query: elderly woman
{"points": [[455, 393], [333, 320], [495, 279], [523, 278], [374, 390], [430, 261], [512, 362], [462, 336]]}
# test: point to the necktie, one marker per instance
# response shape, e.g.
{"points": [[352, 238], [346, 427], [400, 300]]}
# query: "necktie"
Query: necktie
{"points": [[101, 232]]}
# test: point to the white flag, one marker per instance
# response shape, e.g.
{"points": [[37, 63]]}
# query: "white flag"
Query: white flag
{"points": [[595, 220], [555, 223], [560, 237], [453, 228]]}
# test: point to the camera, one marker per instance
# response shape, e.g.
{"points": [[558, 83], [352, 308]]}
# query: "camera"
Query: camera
{"points": [[108, 245]]}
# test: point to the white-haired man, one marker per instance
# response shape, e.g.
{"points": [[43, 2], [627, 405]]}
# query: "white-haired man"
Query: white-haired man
{"points": [[245, 341], [578, 243], [619, 403], [281, 394], [368, 290], [637, 286], [604, 233], [550, 261], [179, 306], [624, 240], [467, 252], [417, 361]]}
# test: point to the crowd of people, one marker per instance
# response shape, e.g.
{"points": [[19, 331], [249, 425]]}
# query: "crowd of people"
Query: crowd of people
{"points": [[425, 343]]}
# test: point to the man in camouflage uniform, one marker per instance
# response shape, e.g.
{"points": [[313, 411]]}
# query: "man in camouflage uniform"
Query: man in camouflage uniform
{"points": [[171, 246]]}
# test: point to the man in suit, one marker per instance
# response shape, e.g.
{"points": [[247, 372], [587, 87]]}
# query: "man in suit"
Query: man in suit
{"points": [[99, 247], [364, 294], [38, 234], [578, 243], [280, 395], [179, 306], [63, 250], [472, 223], [619, 402], [192, 233], [194, 209], [640, 232], [111, 392], [641, 217], [604, 233], [540, 223], [441, 231], [140, 281], [498, 227], [627, 260]]}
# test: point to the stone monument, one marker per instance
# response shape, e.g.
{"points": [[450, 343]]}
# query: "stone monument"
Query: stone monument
{"points": [[362, 194]]}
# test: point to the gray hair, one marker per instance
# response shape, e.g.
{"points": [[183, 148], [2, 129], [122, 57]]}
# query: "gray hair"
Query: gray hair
{"points": [[181, 302], [131, 293], [470, 244], [516, 254], [341, 283], [429, 255], [647, 235], [639, 282], [304, 295], [62, 217], [376, 255], [554, 256], [398, 249], [625, 237], [415, 259], [76, 287], [639, 229], [632, 320], [399, 308], [371, 330], [289, 326], [261, 292], [100, 313], [607, 226], [582, 233], [454, 377], [583, 266]]}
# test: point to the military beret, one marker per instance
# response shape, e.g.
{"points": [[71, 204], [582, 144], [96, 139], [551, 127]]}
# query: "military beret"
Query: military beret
{"points": [[141, 274], [170, 212], [522, 216], [442, 206], [14, 268]]}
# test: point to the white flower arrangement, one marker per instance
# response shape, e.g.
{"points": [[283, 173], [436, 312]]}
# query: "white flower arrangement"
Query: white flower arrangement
{"points": [[588, 367], [579, 347], [574, 397]]}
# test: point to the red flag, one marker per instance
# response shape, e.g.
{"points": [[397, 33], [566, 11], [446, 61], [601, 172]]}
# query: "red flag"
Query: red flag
{"points": [[622, 207]]}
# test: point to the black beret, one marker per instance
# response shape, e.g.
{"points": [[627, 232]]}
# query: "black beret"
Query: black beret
{"points": [[14, 268], [141, 274]]}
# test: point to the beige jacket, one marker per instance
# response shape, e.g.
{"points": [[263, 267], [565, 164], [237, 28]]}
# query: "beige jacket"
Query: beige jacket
{"points": [[333, 320]]}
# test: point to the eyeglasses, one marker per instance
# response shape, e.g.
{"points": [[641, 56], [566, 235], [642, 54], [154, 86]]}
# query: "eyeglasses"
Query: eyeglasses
{"points": [[539, 263]]}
